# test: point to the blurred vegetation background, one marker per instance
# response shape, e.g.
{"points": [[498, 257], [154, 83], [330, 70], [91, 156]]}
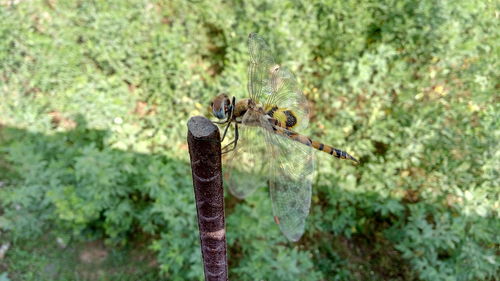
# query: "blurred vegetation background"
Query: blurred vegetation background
{"points": [[94, 175]]}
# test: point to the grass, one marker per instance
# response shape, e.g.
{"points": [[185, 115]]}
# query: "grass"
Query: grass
{"points": [[46, 259]]}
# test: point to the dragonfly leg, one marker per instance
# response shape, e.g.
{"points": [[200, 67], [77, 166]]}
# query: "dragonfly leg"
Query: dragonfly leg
{"points": [[228, 122], [234, 142], [225, 130], [229, 119], [224, 135], [219, 123]]}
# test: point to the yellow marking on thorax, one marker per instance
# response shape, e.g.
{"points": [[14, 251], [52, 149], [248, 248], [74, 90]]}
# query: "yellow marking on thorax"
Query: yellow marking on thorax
{"points": [[286, 118]]}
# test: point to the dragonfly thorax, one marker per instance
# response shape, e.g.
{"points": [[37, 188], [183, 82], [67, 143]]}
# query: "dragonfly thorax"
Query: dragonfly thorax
{"points": [[243, 106]]}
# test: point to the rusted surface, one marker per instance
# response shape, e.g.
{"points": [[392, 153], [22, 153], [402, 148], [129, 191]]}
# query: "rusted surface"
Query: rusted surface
{"points": [[205, 151]]}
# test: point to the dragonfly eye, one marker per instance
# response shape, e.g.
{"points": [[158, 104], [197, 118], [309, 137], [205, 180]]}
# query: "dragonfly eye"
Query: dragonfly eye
{"points": [[219, 109]]}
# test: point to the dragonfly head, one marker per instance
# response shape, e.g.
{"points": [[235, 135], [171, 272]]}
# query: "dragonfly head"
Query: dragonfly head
{"points": [[221, 106]]}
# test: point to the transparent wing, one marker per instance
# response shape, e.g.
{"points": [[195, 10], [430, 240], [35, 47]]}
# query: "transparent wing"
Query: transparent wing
{"points": [[292, 167], [273, 85], [286, 93], [245, 169], [261, 62], [260, 53]]}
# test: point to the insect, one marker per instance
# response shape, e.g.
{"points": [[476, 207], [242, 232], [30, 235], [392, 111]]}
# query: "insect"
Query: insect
{"points": [[266, 147]]}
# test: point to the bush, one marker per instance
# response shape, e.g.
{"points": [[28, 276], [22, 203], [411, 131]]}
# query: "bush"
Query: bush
{"points": [[95, 97]]}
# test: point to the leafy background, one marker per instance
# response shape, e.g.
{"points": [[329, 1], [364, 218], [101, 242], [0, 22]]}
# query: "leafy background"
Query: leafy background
{"points": [[94, 175]]}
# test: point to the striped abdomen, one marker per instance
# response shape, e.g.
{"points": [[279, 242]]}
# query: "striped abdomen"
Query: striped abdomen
{"points": [[307, 141]]}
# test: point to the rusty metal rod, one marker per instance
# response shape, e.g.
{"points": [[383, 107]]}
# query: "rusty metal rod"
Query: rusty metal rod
{"points": [[205, 152]]}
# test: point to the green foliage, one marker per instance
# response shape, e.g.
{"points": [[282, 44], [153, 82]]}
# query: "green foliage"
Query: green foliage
{"points": [[81, 261], [95, 95], [264, 247]]}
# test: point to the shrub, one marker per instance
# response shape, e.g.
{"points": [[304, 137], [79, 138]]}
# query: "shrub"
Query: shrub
{"points": [[95, 97]]}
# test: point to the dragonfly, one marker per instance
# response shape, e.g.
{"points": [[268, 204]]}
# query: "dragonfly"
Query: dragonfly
{"points": [[267, 148]]}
